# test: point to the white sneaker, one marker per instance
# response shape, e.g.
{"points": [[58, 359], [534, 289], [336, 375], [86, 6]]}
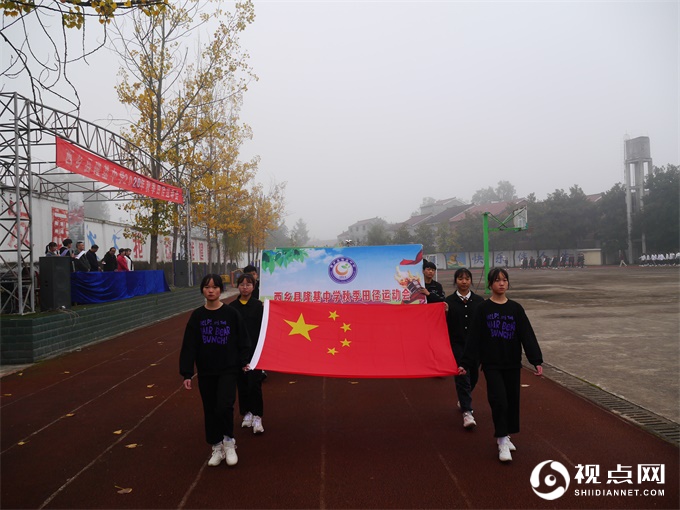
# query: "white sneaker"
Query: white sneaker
{"points": [[247, 420], [230, 452], [469, 420], [511, 446], [257, 425], [218, 455], [504, 453]]}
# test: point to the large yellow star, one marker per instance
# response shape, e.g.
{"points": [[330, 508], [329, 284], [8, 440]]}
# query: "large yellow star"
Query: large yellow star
{"points": [[345, 327], [300, 327], [333, 315]]}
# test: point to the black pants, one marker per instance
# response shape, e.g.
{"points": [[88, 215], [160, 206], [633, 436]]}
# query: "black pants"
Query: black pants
{"points": [[502, 390], [218, 393], [465, 383], [250, 392]]}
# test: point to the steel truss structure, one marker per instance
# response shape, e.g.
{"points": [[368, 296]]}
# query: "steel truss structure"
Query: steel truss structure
{"points": [[27, 127]]}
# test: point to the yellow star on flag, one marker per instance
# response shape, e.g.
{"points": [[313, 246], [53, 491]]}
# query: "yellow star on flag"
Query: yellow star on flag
{"points": [[345, 327], [332, 351], [345, 342], [333, 315], [300, 327]]}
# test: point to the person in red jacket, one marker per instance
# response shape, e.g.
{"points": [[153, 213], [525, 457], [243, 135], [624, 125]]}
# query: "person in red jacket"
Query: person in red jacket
{"points": [[122, 261]]}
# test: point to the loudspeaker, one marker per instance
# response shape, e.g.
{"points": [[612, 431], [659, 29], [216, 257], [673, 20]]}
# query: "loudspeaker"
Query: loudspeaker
{"points": [[55, 283], [181, 273]]}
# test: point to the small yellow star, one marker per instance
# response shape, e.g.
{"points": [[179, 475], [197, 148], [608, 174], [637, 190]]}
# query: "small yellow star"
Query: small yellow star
{"points": [[332, 351], [345, 343], [345, 327], [333, 315], [300, 327]]}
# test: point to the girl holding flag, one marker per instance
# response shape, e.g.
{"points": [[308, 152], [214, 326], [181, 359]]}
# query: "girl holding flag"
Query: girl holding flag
{"points": [[249, 383], [216, 341], [500, 329]]}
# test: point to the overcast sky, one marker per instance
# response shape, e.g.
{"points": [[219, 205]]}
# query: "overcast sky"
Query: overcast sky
{"points": [[365, 108]]}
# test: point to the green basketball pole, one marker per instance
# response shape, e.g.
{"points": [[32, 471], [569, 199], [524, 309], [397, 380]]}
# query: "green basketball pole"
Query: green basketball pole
{"points": [[503, 225]]}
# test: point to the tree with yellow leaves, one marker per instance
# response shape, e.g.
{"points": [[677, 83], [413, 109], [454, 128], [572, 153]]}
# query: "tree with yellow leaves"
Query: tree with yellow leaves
{"points": [[263, 216], [172, 95]]}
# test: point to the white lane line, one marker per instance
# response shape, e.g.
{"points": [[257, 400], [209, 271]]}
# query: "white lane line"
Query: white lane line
{"points": [[98, 457], [74, 410]]}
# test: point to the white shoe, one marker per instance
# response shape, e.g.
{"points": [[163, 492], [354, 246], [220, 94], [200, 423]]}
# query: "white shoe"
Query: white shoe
{"points": [[218, 455], [230, 452], [469, 420], [504, 453], [247, 420], [257, 425], [511, 446]]}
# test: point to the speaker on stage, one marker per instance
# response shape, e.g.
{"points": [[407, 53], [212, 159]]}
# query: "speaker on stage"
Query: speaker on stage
{"points": [[55, 283], [181, 273]]}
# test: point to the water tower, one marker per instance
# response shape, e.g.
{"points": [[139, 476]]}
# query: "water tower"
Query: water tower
{"points": [[637, 154]]}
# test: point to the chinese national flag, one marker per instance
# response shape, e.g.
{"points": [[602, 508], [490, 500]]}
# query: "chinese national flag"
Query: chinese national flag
{"points": [[354, 340]]}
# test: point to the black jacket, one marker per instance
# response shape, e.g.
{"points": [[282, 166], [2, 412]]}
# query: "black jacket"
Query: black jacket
{"points": [[252, 313], [458, 319], [497, 335], [92, 259], [216, 341], [109, 262], [436, 292]]}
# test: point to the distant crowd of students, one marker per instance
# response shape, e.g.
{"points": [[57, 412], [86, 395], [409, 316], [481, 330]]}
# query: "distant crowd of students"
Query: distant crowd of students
{"points": [[660, 259], [554, 262]]}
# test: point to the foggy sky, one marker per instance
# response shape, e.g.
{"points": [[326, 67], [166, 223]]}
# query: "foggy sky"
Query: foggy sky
{"points": [[365, 108]]}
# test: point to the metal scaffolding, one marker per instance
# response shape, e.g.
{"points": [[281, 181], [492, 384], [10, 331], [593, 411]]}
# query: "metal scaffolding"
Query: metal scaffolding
{"points": [[27, 127]]}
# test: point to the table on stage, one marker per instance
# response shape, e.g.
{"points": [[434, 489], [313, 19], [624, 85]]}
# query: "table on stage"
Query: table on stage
{"points": [[102, 287]]}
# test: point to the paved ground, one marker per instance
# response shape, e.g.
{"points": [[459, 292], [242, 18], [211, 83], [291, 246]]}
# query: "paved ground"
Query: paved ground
{"points": [[615, 327], [110, 427]]}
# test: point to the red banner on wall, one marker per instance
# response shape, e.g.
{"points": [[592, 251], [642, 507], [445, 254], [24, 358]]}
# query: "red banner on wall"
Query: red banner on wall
{"points": [[74, 159]]}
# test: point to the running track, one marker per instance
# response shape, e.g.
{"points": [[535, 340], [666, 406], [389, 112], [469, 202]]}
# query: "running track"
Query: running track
{"points": [[69, 426]]}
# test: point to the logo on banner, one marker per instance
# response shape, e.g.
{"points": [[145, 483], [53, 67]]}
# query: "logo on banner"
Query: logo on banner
{"points": [[342, 270]]}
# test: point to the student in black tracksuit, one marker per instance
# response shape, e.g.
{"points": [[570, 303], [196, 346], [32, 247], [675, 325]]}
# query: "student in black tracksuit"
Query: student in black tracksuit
{"points": [[216, 341], [433, 290], [499, 331], [249, 383], [461, 307]]}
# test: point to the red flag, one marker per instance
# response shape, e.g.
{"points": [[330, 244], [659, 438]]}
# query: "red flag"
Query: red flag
{"points": [[354, 340]]}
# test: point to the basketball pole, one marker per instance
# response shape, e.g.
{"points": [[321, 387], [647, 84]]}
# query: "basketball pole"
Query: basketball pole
{"points": [[502, 225]]}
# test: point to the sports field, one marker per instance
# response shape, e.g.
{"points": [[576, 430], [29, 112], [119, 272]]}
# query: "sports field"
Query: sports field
{"points": [[616, 327], [110, 426]]}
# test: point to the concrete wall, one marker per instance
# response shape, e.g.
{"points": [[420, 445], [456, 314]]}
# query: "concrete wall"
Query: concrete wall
{"points": [[34, 337]]}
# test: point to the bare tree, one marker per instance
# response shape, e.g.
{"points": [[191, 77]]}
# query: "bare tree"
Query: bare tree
{"points": [[37, 40]]}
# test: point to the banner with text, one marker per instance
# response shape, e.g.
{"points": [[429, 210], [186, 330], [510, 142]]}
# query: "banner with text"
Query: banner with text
{"points": [[356, 274], [74, 159]]}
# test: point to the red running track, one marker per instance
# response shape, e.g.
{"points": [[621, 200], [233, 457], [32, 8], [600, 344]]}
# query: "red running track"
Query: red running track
{"points": [[110, 427]]}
